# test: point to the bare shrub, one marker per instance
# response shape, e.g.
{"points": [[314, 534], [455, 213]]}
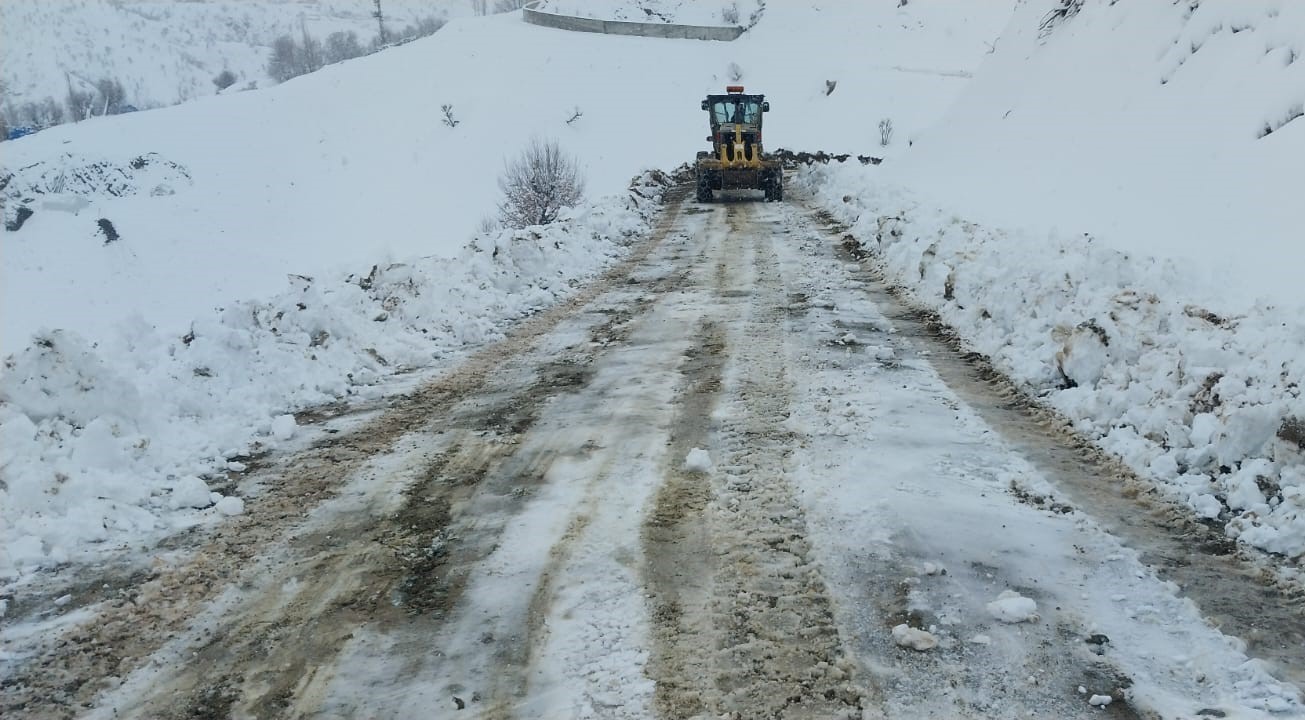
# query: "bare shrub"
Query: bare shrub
{"points": [[538, 184], [447, 110], [1064, 10], [734, 72], [224, 80], [342, 45], [730, 14], [885, 132]]}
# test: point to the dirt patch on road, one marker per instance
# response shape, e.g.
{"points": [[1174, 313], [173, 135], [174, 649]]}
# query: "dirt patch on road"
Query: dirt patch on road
{"points": [[678, 565]]}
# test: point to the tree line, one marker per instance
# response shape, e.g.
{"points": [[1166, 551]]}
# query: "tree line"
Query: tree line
{"points": [[84, 99], [292, 57]]}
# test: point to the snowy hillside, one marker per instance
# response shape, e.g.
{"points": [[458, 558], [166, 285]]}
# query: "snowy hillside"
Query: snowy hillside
{"points": [[221, 207], [165, 52], [1160, 128], [1121, 231]]}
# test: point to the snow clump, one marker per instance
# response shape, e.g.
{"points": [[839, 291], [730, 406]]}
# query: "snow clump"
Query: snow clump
{"points": [[1011, 607], [230, 506], [283, 427], [191, 492], [698, 460], [916, 639]]}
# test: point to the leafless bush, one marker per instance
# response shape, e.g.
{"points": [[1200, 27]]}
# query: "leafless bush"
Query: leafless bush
{"points": [[224, 80], [730, 14], [538, 184], [449, 120], [734, 72], [1064, 10], [885, 132], [342, 45]]}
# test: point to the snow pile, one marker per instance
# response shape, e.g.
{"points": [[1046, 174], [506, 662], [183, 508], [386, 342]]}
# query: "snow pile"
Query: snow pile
{"points": [[1205, 401], [677, 12], [1011, 607], [98, 441]]}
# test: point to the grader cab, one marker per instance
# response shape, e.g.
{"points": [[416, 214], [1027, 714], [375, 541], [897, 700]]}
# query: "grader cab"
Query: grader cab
{"points": [[736, 160]]}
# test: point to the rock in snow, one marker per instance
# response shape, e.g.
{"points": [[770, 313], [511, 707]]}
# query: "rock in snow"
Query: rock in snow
{"points": [[916, 639], [1011, 607], [698, 460]]}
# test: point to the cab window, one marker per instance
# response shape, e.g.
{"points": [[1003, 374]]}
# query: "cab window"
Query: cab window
{"points": [[736, 111]]}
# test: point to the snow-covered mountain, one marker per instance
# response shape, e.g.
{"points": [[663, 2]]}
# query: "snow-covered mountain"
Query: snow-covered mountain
{"points": [[169, 51]]}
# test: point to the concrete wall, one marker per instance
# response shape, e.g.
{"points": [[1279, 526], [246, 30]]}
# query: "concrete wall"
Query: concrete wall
{"points": [[614, 27]]}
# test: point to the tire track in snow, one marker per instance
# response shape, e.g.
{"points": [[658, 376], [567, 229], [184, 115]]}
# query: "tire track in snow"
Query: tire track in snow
{"points": [[743, 626]]}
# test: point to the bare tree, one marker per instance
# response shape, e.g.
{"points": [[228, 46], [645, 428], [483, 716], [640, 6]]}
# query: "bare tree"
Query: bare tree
{"points": [[480, 7], [885, 132], [112, 97], [51, 112], [342, 45], [284, 62], [381, 35], [503, 6], [310, 53], [538, 184], [78, 102]]}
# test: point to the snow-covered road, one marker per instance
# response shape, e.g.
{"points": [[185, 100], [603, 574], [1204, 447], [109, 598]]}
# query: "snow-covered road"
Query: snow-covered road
{"points": [[733, 478]]}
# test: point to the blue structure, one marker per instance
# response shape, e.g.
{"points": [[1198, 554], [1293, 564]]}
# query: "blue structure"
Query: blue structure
{"points": [[17, 132]]}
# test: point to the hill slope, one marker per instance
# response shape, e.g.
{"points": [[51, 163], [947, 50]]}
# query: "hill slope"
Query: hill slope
{"points": [[164, 53]]}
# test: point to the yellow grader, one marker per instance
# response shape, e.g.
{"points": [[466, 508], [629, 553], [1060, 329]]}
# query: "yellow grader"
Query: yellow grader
{"points": [[736, 160]]}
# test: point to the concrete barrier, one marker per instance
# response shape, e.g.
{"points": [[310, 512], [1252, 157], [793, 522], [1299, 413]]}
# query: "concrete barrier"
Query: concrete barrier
{"points": [[618, 27]]}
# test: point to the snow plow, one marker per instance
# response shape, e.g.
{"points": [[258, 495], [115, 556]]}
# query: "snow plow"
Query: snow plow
{"points": [[736, 160]]}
